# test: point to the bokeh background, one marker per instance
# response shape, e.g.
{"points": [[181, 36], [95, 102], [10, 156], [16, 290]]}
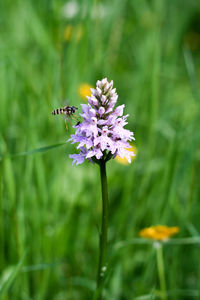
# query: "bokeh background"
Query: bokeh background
{"points": [[50, 211]]}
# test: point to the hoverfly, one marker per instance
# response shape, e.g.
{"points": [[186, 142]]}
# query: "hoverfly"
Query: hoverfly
{"points": [[68, 111]]}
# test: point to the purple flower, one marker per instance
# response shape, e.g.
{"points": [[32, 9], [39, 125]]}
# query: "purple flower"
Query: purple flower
{"points": [[101, 134]]}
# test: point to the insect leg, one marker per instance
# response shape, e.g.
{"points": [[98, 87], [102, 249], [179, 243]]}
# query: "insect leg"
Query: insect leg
{"points": [[66, 124], [74, 117]]}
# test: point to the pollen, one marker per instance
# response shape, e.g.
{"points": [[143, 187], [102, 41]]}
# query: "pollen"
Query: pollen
{"points": [[158, 232]]}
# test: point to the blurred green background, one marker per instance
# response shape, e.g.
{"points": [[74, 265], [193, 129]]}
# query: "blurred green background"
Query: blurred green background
{"points": [[49, 210]]}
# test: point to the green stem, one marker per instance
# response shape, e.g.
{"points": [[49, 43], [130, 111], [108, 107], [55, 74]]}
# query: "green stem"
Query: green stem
{"points": [[161, 270], [103, 234]]}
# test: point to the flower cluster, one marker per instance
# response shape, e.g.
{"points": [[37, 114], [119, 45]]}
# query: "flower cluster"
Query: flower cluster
{"points": [[101, 135]]}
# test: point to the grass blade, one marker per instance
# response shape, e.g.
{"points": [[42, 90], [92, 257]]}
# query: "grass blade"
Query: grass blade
{"points": [[38, 150], [9, 276]]}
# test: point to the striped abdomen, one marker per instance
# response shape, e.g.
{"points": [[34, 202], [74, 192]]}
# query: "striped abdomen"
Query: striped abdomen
{"points": [[58, 111]]}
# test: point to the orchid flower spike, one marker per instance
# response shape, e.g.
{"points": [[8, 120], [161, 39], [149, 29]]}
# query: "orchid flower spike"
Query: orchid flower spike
{"points": [[101, 134]]}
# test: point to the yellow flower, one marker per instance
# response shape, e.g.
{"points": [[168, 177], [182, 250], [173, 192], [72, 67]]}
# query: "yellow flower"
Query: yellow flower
{"points": [[78, 33], [124, 161], [158, 232], [73, 32], [84, 90], [68, 33]]}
